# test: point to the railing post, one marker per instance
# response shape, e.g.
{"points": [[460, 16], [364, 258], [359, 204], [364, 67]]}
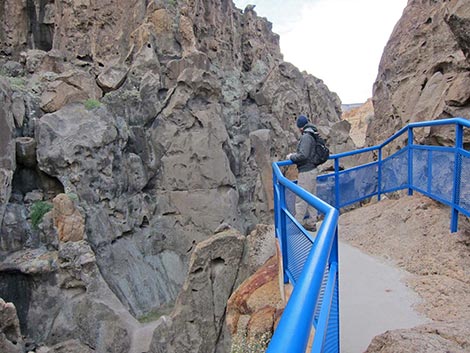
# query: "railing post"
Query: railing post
{"points": [[457, 178], [337, 205], [334, 257], [379, 174], [410, 161], [283, 230]]}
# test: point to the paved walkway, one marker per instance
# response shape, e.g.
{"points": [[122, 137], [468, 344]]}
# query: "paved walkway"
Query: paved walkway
{"points": [[373, 299]]}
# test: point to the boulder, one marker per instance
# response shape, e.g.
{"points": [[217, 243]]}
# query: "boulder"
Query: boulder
{"points": [[11, 340], [434, 337], [69, 87], [7, 146], [197, 320], [26, 151], [112, 77], [255, 307], [15, 231], [68, 221]]}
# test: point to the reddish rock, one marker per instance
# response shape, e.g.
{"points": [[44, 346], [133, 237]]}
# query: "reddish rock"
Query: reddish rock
{"points": [[254, 308], [67, 219]]}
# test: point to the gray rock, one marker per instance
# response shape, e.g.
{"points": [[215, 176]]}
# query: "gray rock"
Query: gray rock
{"points": [[95, 324], [69, 346], [198, 317], [261, 147], [112, 77], [26, 151], [33, 196], [18, 109], [6, 178], [7, 146], [11, 340], [15, 231], [423, 72], [260, 246], [70, 138], [434, 337]]}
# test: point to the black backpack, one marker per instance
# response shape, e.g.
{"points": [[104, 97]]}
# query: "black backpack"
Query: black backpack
{"points": [[322, 153]]}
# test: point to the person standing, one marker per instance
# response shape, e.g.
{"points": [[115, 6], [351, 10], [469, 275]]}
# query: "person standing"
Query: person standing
{"points": [[304, 159]]}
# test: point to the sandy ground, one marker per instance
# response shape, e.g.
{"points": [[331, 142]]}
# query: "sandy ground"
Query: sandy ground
{"points": [[413, 234]]}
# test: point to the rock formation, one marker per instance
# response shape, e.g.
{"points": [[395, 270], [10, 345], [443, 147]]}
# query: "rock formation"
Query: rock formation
{"points": [[359, 118], [131, 131], [10, 335], [424, 73]]}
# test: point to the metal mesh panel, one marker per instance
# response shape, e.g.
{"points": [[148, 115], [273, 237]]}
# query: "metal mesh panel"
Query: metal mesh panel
{"points": [[331, 342], [465, 184], [326, 188], [321, 295], [357, 183], [354, 185], [298, 248], [290, 201], [442, 174], [395, 171], [420, 169]]}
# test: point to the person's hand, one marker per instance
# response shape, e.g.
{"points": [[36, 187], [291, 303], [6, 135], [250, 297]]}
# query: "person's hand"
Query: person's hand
{"points": [[289, 155]]}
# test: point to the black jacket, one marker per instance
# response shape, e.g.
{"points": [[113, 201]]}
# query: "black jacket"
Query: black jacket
{"points": [[306, 150]]}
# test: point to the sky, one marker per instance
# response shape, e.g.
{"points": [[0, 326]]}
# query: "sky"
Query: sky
{"points": [[338, 41]]}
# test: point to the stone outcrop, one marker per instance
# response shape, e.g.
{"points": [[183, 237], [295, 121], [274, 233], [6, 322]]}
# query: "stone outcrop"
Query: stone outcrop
{"points": [[7, 146], [424, 71], [11, 340], [161, 120], [255, 307], [68, 221], [436, 337], [197, 323]]}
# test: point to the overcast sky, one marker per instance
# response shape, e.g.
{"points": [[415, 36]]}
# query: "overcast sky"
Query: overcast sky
{"points": [[338, 41]]}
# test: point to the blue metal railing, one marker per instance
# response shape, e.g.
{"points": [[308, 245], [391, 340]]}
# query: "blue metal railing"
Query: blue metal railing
{"points": [[311, 263], [440, 172]]}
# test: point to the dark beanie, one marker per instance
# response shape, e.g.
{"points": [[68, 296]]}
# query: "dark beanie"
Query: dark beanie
{"points": [[301, 121]]}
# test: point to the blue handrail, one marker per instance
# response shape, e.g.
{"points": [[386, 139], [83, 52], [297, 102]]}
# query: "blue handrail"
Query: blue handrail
{"points": [[293, 331], [340, 198], [311, 263]]}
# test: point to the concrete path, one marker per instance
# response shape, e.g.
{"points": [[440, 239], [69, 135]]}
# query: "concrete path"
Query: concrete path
{"points": [[373, 299]]}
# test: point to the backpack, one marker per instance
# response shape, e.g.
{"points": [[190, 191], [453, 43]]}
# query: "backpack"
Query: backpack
{"points": [[322, 153]]}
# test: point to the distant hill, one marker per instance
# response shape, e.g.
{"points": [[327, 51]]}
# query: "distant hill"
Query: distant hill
{"points": [[346, 107], [359, 116]]}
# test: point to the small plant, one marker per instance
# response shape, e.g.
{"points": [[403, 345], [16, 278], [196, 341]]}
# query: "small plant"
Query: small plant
{"points": [[18, 83], [72, 196], [38, 210], [155, 314], [243, 344], [91, 104]]}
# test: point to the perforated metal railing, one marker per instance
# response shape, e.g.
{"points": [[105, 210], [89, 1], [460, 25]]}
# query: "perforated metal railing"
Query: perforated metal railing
{"points": [[311, 263], [440, 172]]}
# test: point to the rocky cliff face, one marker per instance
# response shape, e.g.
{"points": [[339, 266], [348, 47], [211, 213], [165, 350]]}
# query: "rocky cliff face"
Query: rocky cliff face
{"points": [[150, 124], [424, 73]]}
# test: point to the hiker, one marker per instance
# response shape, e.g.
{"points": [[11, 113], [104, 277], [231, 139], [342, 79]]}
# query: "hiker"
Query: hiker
{"points": [[304, 159]]}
